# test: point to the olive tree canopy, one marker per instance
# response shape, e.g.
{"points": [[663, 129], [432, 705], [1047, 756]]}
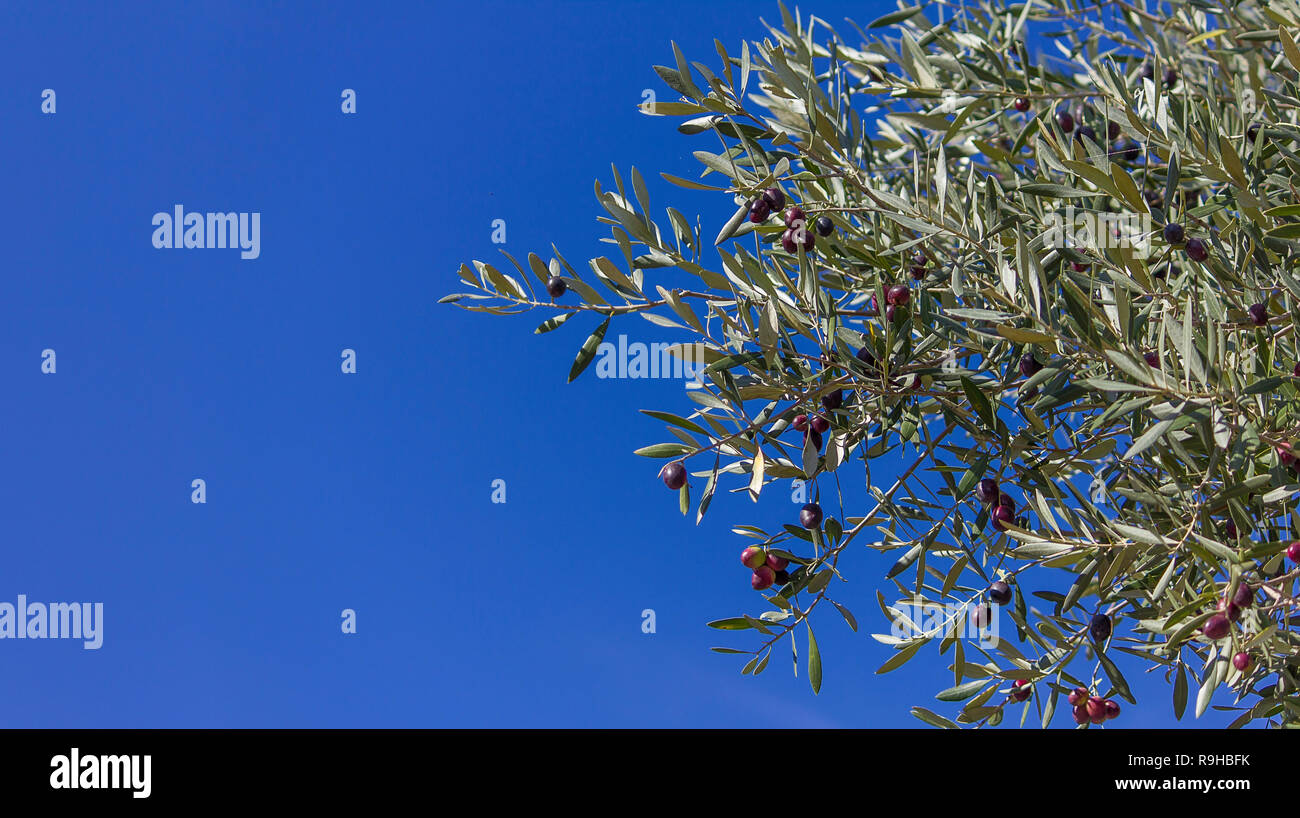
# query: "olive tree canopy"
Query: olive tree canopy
{"points": [[1047, 244]]}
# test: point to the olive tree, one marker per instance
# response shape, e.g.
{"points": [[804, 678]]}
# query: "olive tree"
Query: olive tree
{"points": [[1037, 261]]}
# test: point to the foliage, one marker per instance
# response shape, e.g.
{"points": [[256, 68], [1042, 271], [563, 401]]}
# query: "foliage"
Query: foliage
{"points": [[1126, 474]]}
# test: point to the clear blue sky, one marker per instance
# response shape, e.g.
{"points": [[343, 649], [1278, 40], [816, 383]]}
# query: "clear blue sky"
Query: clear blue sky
{"points": [[370, 491]]}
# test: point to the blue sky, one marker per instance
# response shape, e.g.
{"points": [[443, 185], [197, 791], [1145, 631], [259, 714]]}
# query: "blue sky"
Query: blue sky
{"points": [[370, 491]]}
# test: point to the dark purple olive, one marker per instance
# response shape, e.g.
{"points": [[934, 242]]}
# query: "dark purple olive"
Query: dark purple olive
{"points": [[1217, 627], [810, 516], [1096, 710], [673, 475], [918, 265], [1099, 628], [1244, 597], [1000, 592], [1029, 364], [1021, 689], [987, 491], [1003, 514], [1228, 609]]}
